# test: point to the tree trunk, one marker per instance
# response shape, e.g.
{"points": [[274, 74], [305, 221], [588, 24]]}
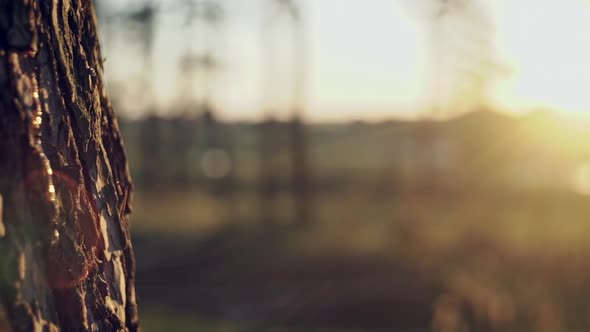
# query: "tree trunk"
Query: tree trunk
{"points": [[66, 261]]}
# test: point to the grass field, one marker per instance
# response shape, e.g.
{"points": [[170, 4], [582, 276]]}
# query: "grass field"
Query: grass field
{"points": [[513, 259]]}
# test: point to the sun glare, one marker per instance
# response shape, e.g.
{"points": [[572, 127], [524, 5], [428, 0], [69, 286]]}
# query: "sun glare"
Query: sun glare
{"points": [[372, 60], [547, 47]]}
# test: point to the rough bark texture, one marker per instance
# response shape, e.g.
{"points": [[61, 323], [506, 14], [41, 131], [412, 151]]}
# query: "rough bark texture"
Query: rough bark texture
{"points": [[66, 261]]}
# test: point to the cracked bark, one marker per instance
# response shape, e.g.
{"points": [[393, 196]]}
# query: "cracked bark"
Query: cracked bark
{"points": [[66, 260]]}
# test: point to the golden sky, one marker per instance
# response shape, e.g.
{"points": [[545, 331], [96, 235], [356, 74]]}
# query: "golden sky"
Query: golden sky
{"points": [[374, 59]]}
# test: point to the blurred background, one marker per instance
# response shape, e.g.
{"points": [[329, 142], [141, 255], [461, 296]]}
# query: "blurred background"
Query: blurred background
{"points": [[356, 165]]}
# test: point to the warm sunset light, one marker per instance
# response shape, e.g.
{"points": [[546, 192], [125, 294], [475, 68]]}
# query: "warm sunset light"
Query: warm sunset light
{"points": [[382, 65], [545, 44]]}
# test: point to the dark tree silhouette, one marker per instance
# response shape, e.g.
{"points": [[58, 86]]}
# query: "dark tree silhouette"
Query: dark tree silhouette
{"points": [[66, 260], [272, 137], [152, 153], [300, 168]]}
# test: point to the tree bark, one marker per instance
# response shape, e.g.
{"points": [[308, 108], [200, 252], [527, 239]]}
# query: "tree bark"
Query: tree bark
{"points": [[66, 260]]}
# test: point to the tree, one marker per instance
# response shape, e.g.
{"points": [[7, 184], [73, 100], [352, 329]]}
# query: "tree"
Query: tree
{"points": [[300, 182], [66, 260]]}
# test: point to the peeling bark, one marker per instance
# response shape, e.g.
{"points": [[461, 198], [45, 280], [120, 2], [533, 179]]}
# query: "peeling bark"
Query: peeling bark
{"points": [[66, 260]]}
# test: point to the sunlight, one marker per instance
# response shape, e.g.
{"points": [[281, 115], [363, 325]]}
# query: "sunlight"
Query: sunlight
{"points": [[581, 179], [546, 45], [371, 60]]}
